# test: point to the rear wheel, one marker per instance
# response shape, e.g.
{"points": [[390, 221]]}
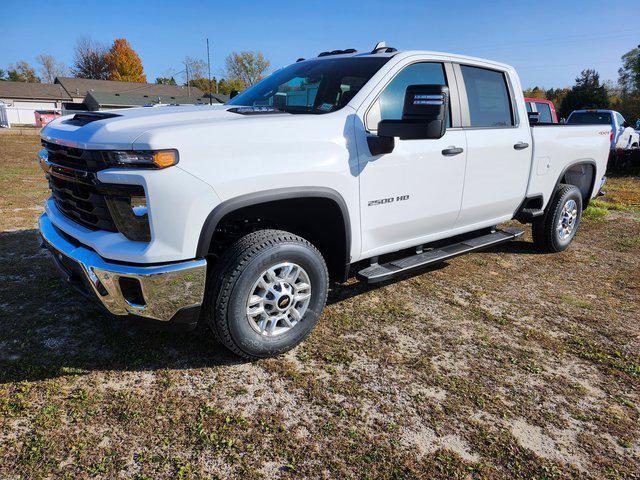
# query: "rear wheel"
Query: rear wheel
{"points": [[554, 231], [266, 293]]}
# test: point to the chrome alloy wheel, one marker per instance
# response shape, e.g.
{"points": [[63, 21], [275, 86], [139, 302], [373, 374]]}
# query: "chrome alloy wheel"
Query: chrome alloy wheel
{"points": [[278, 299], [568, 218]]}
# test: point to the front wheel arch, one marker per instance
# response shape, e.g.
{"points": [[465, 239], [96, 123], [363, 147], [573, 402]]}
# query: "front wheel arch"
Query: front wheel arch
{"points": [[331, 226]]}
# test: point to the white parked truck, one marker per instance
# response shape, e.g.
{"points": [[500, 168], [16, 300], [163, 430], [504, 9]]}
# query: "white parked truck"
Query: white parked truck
{"points": [[240, 215]]}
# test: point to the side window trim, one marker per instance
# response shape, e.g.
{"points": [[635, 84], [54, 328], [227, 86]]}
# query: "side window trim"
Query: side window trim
{"points": [[456, 119], [464, 99]]}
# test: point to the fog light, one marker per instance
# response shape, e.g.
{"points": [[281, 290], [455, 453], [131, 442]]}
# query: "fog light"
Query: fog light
{"points": [[130, 214]]}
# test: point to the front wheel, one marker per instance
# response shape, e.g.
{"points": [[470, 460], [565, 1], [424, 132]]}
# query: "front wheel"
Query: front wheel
{"points": [[266, 293], [554, 231]]}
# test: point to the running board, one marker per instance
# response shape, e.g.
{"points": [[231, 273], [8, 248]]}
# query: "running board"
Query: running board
{"points": [[381, 272]]}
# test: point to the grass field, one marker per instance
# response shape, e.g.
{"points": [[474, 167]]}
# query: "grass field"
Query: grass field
{"points": [[503, 364]]}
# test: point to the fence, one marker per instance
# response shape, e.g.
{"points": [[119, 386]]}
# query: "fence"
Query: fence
{"points": [[15, 116]]}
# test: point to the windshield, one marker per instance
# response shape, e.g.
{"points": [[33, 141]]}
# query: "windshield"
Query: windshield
{"points": [[590, 118], [316, 86]]}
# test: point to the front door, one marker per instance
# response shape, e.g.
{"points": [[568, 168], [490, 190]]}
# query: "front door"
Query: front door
{"points": [[415, 191]]}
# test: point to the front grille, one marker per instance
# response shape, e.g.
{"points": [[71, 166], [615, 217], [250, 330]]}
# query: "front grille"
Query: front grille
{"points": [[82, 203], [80, 196], [87, 160]]}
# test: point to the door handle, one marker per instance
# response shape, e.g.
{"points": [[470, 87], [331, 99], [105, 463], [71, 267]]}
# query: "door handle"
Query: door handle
{"points": [[521, 145], [451, 151]]}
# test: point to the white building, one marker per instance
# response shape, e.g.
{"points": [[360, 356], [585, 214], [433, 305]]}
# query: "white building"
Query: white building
{"points": [[23, 99], [71, 94]]}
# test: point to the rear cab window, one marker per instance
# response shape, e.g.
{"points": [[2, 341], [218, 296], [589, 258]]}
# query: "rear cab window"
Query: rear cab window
{"points": [[589, 118], [545, 112]]}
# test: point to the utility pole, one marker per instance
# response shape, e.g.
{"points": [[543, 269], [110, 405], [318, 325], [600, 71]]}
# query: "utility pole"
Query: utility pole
{"points": [[186, 66], [209, 69]]}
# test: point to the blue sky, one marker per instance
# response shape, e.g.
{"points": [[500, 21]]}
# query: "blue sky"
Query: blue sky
{"points": [[549, 42]]}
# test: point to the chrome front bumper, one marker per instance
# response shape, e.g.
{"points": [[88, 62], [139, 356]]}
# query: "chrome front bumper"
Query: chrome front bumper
{"points": [[161, 292]]}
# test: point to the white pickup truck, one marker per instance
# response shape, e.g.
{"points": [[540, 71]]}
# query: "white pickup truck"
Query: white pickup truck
{"points": [[240, 215]]}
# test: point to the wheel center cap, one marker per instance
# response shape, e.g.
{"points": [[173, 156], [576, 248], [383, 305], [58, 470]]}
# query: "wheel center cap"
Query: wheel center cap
{"points": [[284, 302]]}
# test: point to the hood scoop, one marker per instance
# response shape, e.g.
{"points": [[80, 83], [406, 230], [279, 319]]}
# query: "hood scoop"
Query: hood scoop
{"points": [[256, 110], [81, 119]]}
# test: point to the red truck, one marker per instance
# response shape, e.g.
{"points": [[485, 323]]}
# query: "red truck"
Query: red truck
{"points": [[545, 108]]}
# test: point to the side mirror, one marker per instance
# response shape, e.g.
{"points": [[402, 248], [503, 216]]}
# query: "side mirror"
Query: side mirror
{"points": [[423, 116], [534, 117], [233, 93]]}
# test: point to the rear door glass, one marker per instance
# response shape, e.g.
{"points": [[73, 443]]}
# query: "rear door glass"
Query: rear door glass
{"points": [[488, 97]]}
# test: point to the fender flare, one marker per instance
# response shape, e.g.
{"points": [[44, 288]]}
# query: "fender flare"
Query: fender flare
{"points": [[256, 198]]}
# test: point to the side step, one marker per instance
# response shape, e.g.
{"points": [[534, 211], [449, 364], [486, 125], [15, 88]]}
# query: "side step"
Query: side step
{"points": [[381, 272], [528, 214]]}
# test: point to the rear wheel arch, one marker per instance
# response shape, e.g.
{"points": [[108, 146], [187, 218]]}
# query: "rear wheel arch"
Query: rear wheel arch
{"points": [[318, 214], [581, 174]]}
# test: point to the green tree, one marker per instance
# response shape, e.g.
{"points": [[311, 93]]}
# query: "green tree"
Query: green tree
{"points": [[587, 92], [3, 75], [226, 86], [166, 81], [629, 84], [556, 95], [204, 84], [23, 72], [629, 73], [246, 67]]}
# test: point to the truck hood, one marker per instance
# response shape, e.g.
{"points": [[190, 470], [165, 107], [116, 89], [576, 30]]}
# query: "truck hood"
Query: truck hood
{"points": [[118, 129]]}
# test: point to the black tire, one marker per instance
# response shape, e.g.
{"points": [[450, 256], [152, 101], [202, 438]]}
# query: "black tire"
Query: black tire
{"points": [[233, 277], [546, 236]]}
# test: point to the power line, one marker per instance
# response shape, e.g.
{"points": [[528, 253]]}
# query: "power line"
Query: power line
{"points": [[563, 38]]}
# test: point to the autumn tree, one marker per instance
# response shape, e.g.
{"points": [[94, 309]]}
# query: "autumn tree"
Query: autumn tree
{"points": [[123, 63], [246, 67], [588, 92], [22, 72], [534, 92], [50, 68], [89, 59]]}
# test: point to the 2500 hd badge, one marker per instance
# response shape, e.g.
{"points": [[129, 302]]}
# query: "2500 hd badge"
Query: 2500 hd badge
{"points": [[384, 201]]}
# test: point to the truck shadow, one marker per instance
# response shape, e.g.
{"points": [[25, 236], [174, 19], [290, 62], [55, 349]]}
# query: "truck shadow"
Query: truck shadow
{"points": [[48, 330]]}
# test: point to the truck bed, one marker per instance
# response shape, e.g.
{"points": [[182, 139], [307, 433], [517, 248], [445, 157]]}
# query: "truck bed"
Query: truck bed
{"points": [[557, 147]]}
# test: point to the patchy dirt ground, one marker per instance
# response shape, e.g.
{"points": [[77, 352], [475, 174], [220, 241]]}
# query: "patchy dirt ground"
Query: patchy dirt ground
{"points": [[502, 364]]}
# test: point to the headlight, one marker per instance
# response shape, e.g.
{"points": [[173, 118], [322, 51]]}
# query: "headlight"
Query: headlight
{"points": [[144, 159]]}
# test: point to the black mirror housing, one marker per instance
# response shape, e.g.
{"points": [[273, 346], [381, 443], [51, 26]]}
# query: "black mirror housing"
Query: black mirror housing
{"points": [[423, 116]]}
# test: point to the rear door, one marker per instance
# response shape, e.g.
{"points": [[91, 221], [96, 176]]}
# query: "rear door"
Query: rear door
{"points": [[498, 147]]}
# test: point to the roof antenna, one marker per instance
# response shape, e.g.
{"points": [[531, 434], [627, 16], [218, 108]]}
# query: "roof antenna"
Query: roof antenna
{"points": [[381, 47]]}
